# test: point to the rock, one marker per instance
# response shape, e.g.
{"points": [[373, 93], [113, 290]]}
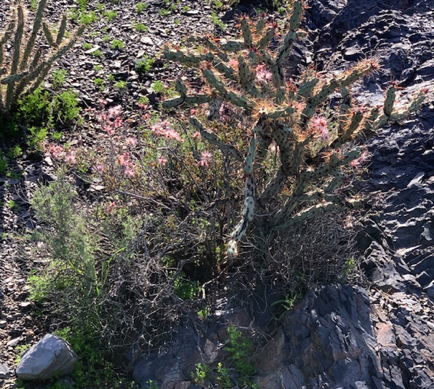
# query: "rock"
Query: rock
{"points": [[13, 342], [331, 331], [4, 371], [430, 289], [147, 41], [50, 356]]}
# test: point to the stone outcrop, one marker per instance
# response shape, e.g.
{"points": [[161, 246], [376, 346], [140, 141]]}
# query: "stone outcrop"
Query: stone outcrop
{"points": [[49, 357]]}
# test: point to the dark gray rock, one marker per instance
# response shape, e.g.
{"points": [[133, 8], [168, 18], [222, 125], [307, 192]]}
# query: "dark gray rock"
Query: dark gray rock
{"points": [[49, 357]]}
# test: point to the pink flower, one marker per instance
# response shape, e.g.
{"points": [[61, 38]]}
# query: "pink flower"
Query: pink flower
{"points": [[70, 158], [129, 172], [162, 161], [143, 106], [263, 74], [118, 122], [233, 63], [205, 158], [99, 168], [131, 141], [110, 207], [102, 102], [196, 134], [319, 125], [101, 117], [124, 159], [164, 129], [362, 159], [108, 129], [172, 134], [55, 151], [193, 111], [115, 111]]}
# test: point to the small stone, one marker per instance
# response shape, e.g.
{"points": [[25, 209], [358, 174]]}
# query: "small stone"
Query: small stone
{"points": [[192, 12], [14, 342], [92, 50], [147, 41], [4, 371]]}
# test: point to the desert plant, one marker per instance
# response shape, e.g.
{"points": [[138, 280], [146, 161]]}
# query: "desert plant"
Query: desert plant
{"points": [[117, 44], [284, 121], [144, 64], [27, 68]]}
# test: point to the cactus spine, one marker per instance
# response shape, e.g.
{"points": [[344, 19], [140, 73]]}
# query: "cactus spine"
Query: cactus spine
{"points": [[311, 154], [27, 69]]}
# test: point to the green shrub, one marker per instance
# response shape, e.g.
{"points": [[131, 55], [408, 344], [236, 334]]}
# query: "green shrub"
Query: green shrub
{"points": [[117, 44], [88, 18], [110, 15], [144, 65], [140, 7], [65, 107], [158, 86], [140, 27], [58, 78]]}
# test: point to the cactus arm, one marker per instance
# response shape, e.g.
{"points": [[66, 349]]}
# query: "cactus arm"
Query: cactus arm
{"points": [[13, 78], [306, 214], [214, 140], [181, 88], [306, 88], [173, 103], [285, 48], [48, 34], [233, 46], [214, 81], [297, 13], [362, 69], [389, 101], [227, 71], [35, 77], [36, 27], [181, 56], [239, 101], [280, 113], [247, 33], [260, 24], [351, 127], [316, 100], [246, 76], [291, 36], [266, 39], [62, 30], [249, 198], [16, 56]]}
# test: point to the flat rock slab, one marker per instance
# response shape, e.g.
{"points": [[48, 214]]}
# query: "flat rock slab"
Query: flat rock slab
{"points": [[50, 356]]}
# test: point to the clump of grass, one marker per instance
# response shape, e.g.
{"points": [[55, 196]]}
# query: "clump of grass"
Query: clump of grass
{"points": [[140, 7], [110, 15], [117, 44]]}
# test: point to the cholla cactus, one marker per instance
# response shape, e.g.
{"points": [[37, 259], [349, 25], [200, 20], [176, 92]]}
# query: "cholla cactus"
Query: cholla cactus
{"points": [[26, 68], [248, 73]]}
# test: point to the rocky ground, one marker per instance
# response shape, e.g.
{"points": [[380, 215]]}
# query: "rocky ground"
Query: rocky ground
{"points": [[337, 336]]}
